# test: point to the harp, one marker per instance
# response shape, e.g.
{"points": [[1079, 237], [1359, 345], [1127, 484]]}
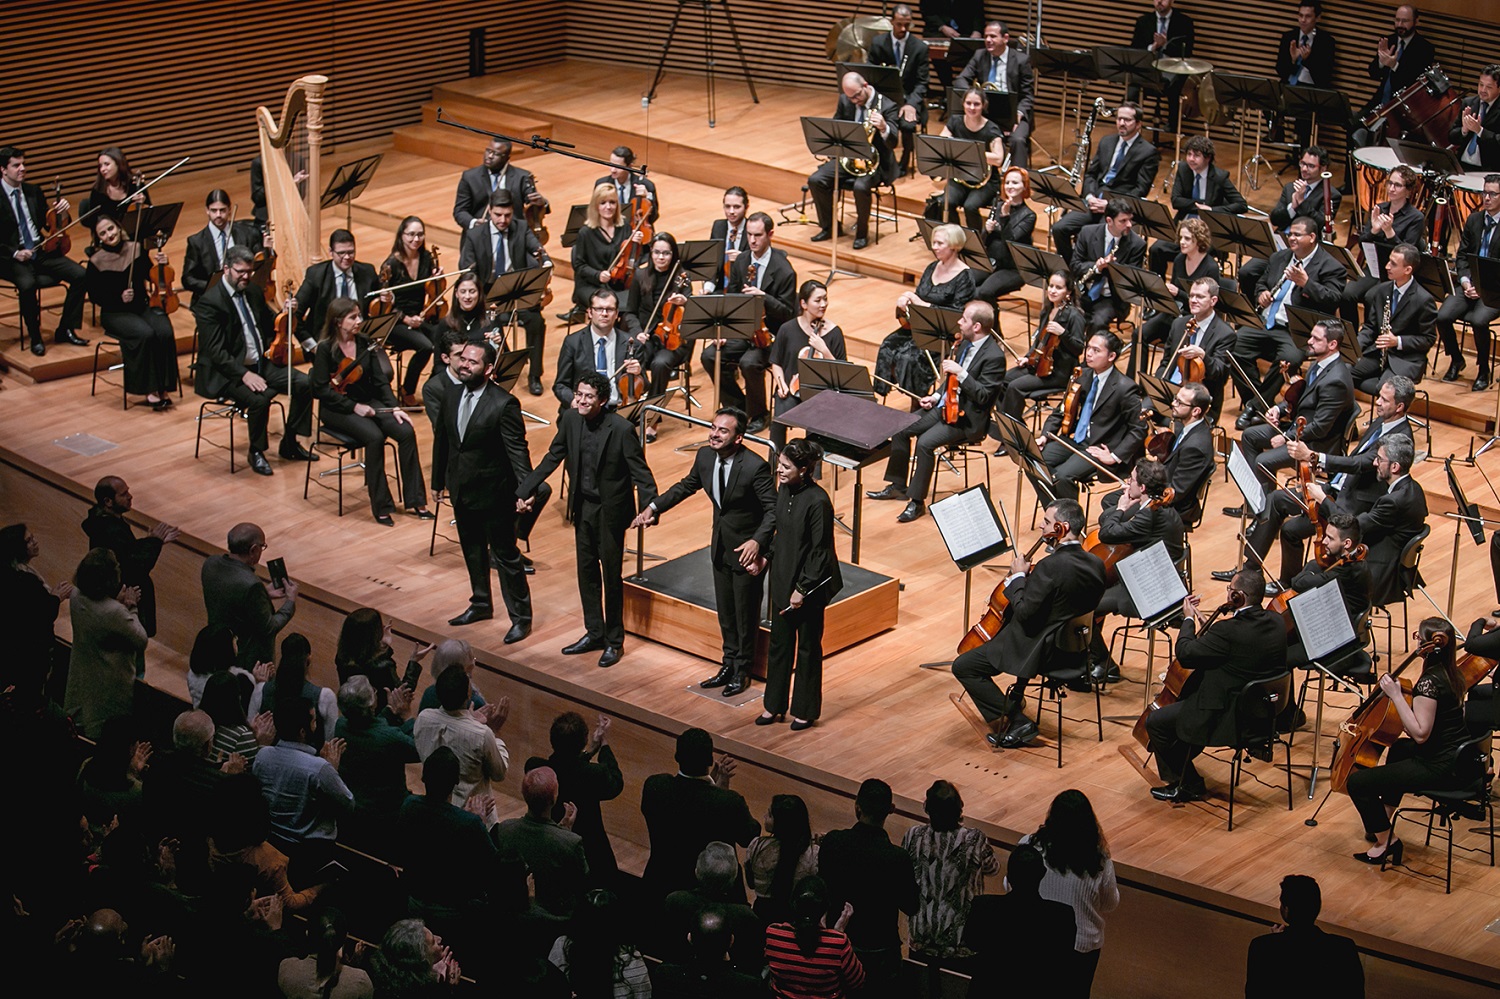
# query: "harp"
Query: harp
{"points": [[289, 149]]}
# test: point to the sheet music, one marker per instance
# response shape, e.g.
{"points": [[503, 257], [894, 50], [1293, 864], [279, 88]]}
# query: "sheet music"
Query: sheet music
{"points": [[1152, 580], [968, 524], [1322, 620], [1245, 477], [1372, 259]]}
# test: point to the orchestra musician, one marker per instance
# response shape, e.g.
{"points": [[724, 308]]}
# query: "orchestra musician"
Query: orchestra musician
{"points": [[1197, 186], [1059, 318], [116, 281], [806, 336], [1010, 220], [1125, 163], [1336, 564], [972, 124], [1400, 324], [603, 346], [471, 202], [235, 328], [1042, 600], [1326, 401], [204, 260], [499, 248], [1211, 341], [999, 67], [1241, 647], [1190, 459], [340, 276], [1390, 222], [1111, 241], [1475, 133], [655, 289], [1464, 304], [1427, 760], [974, 376], [410, 260], [1165, 33], [1300, 198], [764, 271], [1194, 259], [858, 102], [739, 485], [950, 19], [629, 186], [1482, 707], [450, 344], [23, 261], [467, 317], [352, 384], [729, 231], [1399, 59], [1108, 428], [605, 466], [908, 53], [115, 183], [603, 232], [1304, 58]]}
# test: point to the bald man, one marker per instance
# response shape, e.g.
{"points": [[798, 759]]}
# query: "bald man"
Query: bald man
{"points": [[858, 102], [552, 851]]}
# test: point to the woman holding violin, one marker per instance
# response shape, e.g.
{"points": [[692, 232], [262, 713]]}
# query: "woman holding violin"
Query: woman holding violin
{"points": [[1011, 220], [1432, 720], [600, 242], [467, 317], [1056, 347], [972, 124], [114, 183], [809, 335], [117, 282], [1194, 260], [352, 383], [655, 300], [410, 261], [947, 283]]}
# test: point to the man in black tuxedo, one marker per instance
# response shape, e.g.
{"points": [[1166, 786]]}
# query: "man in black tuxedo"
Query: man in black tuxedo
{"points": [[1112, 240], [858, 102], [502, 246], [22, 260], [627, 185], [1198, 185], [1476, 132], [1191, 457], [1396, 517], [1304, 58], [1300, 199], [605, 465], [340, 276], [1299, 276], [1109, 428], [1400, 58], [472, 202], [1331, 963], [978, 368], [998, 66], [907, 52], [1327, 403], [479, 454], [688, 810], [1335, 563], [1043, 599], [235, 328], [204, 260], [729, 233], [1481, 237], [1410, 312], [1211, 341], [1166, 33], [1240, 647], [1124, 162], [739, 484], [599, 346], [764, 271]]}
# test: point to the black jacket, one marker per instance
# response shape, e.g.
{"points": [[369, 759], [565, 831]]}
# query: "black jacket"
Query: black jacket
{"points": [[1251, 645], [10, 231], [1325, 282], [1129, 249], [1353, 579], [863, 867], [1217, 341], [1017, 227], [1386, 527], [476, 249], [1140, 526], [683, 815], [779, 283], [916, 63], [575, 358], [1221, 194], [720, 232], [1359, 491], [1062, 586], [1327, 405], [802, 555], [319, 289], [1311, 207], [221, 338], [1019, 79], [1419, 54], [137, 557], [472, 199], [1469, 243], [978, 391], [1116, 422], [1180, 34], [200, 263], [1489, 134], [622, 468], [1319, 62], [484, 467], [885, 143], [1189, 463], [1136, 174], [1414, 321], [748, 509]]}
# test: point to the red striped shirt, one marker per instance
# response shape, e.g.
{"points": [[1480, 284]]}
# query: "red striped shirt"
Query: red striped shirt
{"points": [[830, 972]]}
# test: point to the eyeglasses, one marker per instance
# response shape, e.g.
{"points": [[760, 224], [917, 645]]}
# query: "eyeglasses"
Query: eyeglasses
{"points": [[343, 253]]}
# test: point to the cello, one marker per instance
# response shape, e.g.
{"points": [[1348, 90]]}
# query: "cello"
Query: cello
{"points": [[1177, 674], [1374, 725], [1281, 603], [993, 618]]}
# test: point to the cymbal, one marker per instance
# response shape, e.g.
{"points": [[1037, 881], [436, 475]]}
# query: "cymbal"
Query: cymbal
{"points": [[1185, 67], [849, 39]]}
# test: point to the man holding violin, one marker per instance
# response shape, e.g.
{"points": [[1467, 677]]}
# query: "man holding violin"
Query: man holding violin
{"points": [[600, 346], [25, 253], [1200, 342], [1102, 422]]}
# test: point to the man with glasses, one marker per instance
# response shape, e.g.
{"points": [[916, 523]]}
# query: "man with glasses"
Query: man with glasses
{"points": [[1190, 459], [341, 276], [1300, 199], [237, 599], [1480, 238], [603, 346], [1123, 163], [235, 329], [500, 248], [1203, 337]]}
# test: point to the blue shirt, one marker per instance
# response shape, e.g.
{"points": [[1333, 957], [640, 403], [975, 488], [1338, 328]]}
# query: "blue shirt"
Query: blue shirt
{"points": [[305, 794]]}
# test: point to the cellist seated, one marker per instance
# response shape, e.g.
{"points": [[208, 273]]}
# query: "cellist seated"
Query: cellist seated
{"points": [[1104, 423]]}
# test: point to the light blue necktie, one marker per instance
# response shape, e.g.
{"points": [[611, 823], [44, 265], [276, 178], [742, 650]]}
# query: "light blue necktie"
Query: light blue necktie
{"points": [[21, 223], [1297, 68], [1087, 413], [1275, 307], [601, 359], [1114, 166]]}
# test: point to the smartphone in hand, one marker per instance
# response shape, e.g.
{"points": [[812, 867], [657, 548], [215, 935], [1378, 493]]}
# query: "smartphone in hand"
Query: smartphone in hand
{"points": [[277, 568]]}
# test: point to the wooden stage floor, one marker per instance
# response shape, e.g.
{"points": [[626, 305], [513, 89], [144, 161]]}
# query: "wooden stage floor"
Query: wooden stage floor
{"points": [[883, 716]]}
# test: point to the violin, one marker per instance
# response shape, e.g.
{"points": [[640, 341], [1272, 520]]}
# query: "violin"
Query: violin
{"points": [[795, 388], [669, 329], [58, 220], [1072, 404], [1374, 725], [903, 316], [1190, 369], [282, 345], [623, 268], [994, 616], [436, 306], [1178, 675], [264, 275], [1305, 474], [763, 335], [632, 387], [160, 278], [1296, 383], [378, 306], [349, 371], [1039, 358], [951, 409], [536, 214]]}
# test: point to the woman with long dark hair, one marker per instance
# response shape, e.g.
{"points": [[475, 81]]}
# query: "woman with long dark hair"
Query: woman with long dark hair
{"points": [[780, 858], [116, 282], [809, 959], [1080, 873], [232, 733], [1060, 318], [808, 335], [290, 680], [115, 182], [467, 315], [410, 260], [597, 956]]}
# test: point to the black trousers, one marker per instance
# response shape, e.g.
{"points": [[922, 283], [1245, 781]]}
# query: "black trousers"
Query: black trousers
{"points": [[1116, 600], [1256, 343], [258, 404], [1174, 757], [148, 347], [999, 282], [737, 599], [419, 341], [1377, 788], [372, 432], [1068, 469], [24, 274], [599, 549], [1478, 315], [1256, 443], [663, 363], [777, 431], [529, 320], [970, 200], [976, 670], [930, 433], [1066, 229], [752, 362], [1354, 295], [821, 186], [493, 529], [796, 637], [1286, 519], [1019, 381]]}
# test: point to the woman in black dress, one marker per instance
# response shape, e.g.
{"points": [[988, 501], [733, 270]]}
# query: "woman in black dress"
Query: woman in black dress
{"points": [[467, 317], [947, 283], [1390, 222], [808, 335], [598, 244], [410, 260], [1011, 221], [115, 182], [358, 403], [1427, 759], [116, 281], [659, 284], [972, 124], [1194, 260]]}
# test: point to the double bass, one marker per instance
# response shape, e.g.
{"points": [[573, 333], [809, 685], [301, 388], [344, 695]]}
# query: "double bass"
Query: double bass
{"points": [[1178, 675], [993, 618]]}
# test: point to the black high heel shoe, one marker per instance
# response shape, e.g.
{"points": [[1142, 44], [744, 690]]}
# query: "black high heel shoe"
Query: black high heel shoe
{"points": [[765, 719], [1392, 855]]}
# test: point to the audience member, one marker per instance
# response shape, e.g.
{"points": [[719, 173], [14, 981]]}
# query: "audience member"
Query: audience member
{"points": [[809, 959], [688, 810], [365, 650], [288, 681], [552, 852], [448, 652], [213, 652], [994, 919], [597, 955], [950, 862], [322, 973], [446, 853], [178, 790], [240, 823], [111, 778], [235, 596], [412, 963], [471, 734], [107, 637], [232, 731], [376, 751], [1327, 965], [780, 858], [707, 972], [106, 527], [717, 873], [587, 775], [302, 787], [30, 609]]}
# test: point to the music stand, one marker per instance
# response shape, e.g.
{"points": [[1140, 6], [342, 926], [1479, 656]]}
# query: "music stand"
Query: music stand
{"points": [[1046, 187], [973, 252], [1151, 216], [1024, 452], [517, 291], [1469, 516], [380, 328], [1236, 308], [885, 79], [700, 259], [933, 327], [1159, 392], [974, 533], [1069, 64], [1299, 324], [1241, 235], [1035, 265], [1426, 159], [347, 183], [1434, 275], [827, 374], [577, 216], [1147, 289], [834, 140], [1123, 65], [721, 317], [155, 222], [950, 159], [509, 365], [1354, 267], [1314, 103], [1372, 252], [1260, 92]]}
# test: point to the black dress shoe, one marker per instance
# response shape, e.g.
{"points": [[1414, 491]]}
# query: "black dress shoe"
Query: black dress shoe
{"points": [[1021, 732], [758, 424], [1234, 511], [1248, 419], [258, 463], [385, 520], [913, 510], [890, 492], [295, 452], [518, 631], [534, 385], [1224, 575], [424, 514], [821, 236], [1106, 671], [738, 685], [1177, 793], [1481, 381], [1455, 368], [798, 725], [37, 347], [725, 674], [471, 615], [587, 643], [767, 719], [861, 243], [610, 656], [68, 336]]}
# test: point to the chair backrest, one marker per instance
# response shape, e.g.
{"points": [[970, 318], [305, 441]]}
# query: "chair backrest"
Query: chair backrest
{"points": [[1471, 759], [1208, 480], [1257, 705], [1350, 432], [1411, 554], [1074, 637]]}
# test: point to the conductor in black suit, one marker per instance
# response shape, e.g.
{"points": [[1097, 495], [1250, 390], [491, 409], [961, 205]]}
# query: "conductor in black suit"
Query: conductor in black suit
{"points": [[22, 259], [627, 185], [472, 201], [502, 246], [1409, 311], [1109, 428], [605, 466], [1304, 57], [1246, 643], [739, 484], [908, 53], [1001, 67], [858, 102], [1328, 965], [1125, 163], [1475, 133], [1043, 599], [1112, 240], [204, 259], [1167, 34], [479, 454]]}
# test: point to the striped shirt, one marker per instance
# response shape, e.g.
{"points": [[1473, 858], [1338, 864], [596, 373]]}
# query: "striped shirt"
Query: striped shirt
{"points": [[830, 972]]}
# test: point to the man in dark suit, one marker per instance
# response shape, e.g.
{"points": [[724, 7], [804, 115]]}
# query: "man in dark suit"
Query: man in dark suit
{"points": [[1191, 458], [1327, 401], [500, 247], [627, 185], [1400, 324], [204, 258], [1167, 34], [688, 810], [998, 66], [1245, 645], [605, 465], [1125, 163], [729, 233], [1198, 185], [1476, 132], [479, 454], [978, 369], [739, 484], [1481, 237], [1043, 599], [1112, 240], [106, 527], [1330, 964], [235, 597], [1210, 342], [1335, 563], [1298, 276], [908, 53], [587, 775], [1400, 58], [1304, 58], [1395, 518], [471, 204], [1300, 198], [858, 102], [764, 271], [599, 346], [1109, 428], [340, 276], [22, 259], [234, 332]]}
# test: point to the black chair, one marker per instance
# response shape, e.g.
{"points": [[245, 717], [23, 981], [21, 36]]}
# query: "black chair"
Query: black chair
{"points": [[224, 408], [1186, 565], [1068, 662], [1472, 801], [1408, 577], [1255, 709], [341, 447], [100, 345]]}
